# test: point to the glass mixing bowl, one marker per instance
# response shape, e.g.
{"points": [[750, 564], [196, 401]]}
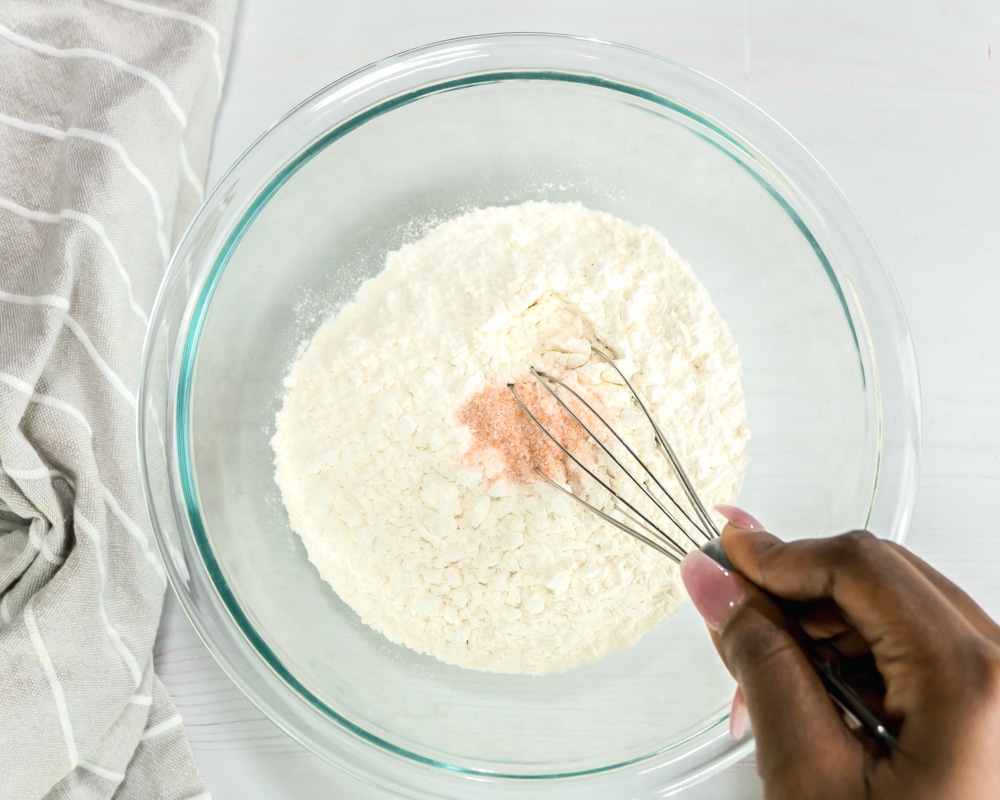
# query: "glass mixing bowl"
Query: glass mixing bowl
{"points": [[364, 166]]}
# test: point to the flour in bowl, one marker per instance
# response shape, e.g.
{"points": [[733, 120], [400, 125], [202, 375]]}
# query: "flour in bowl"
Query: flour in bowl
{"points": [[409, 471]]}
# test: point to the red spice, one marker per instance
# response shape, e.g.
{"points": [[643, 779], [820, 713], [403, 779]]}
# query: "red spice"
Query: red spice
{"points": [[499, 425]]}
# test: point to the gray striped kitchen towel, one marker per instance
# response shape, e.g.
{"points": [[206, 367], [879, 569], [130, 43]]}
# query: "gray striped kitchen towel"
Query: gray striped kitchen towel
{"points": [[106, 115]]}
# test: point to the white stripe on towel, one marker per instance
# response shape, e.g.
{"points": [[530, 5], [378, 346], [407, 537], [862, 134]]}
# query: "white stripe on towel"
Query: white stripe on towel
{"points": [[53, 300], [88, 345], [181, 16], [44, 399], [101, 772], [27, 474], [98, 229], [88, 528], [137, 533], [141, 700], [162, 727], [43, 547], [57, 691], [190, 173]]}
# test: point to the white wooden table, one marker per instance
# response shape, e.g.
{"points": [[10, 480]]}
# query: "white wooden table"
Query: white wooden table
{"points": [[901, 103]]}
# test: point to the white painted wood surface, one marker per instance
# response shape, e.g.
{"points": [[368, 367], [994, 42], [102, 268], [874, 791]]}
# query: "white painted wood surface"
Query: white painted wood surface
{"points": [[901, 103]]}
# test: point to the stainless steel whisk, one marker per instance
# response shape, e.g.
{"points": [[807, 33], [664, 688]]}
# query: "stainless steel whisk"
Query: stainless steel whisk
{"points": [[685, 529]]}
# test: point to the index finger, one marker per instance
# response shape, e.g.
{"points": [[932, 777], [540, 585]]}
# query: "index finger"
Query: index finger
{"points": [[872, 583], [903, 617]]}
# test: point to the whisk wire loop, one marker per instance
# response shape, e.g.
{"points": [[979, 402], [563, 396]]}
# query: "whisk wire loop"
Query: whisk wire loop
{"points": [[607, 486], [545, 379], [661, 440], [635, 522], [649, 540]]}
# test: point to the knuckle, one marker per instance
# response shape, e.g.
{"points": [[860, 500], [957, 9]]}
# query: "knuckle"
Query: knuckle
{"points": [[855, 547], [983, 668], [860, 540], [895, 547]]}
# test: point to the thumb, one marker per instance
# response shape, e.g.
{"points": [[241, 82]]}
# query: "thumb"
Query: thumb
{"points": [[796, 725]]}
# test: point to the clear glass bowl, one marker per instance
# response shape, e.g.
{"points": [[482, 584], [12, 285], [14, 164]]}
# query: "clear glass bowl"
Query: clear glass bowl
{"points": [[365, 165]]}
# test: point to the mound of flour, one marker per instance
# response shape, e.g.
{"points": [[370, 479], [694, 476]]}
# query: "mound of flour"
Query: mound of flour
{"points": [[394, 448]]}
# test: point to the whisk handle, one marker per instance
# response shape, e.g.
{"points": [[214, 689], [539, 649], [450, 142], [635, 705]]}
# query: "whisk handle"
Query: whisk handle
{"points": [[841, 692], [713, 549]]}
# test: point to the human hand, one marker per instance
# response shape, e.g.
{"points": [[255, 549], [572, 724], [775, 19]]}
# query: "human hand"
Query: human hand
{"points": [[894, 620]]}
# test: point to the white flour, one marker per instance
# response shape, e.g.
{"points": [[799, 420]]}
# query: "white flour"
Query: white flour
{"points": [[424, 533]]}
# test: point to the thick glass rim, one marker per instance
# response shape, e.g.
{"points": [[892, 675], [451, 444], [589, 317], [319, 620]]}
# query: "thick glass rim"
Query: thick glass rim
{"points": [[406, 78]]}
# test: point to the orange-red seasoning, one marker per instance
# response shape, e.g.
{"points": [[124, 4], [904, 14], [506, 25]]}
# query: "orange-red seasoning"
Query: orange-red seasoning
{"points": [[499, 425]]}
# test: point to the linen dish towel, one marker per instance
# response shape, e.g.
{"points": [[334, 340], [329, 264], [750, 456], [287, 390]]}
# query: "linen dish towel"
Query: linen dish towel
{"points": [[106, 115]]}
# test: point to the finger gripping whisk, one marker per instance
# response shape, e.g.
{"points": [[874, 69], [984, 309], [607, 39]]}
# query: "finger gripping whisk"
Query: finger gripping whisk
{"points": [[671, 522]]}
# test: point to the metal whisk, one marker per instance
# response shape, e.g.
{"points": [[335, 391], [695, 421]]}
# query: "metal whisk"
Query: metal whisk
{"points": [[688, 527]]}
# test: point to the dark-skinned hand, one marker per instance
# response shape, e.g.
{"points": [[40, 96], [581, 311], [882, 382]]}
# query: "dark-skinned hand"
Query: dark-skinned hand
{"points": [[919, 648]]}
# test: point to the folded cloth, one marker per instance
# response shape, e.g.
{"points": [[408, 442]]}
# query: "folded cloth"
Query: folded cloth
{"points": [[106, 114]]}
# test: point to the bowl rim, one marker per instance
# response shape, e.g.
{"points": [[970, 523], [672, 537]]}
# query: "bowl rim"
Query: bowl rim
{"points": [[577, 52]]}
